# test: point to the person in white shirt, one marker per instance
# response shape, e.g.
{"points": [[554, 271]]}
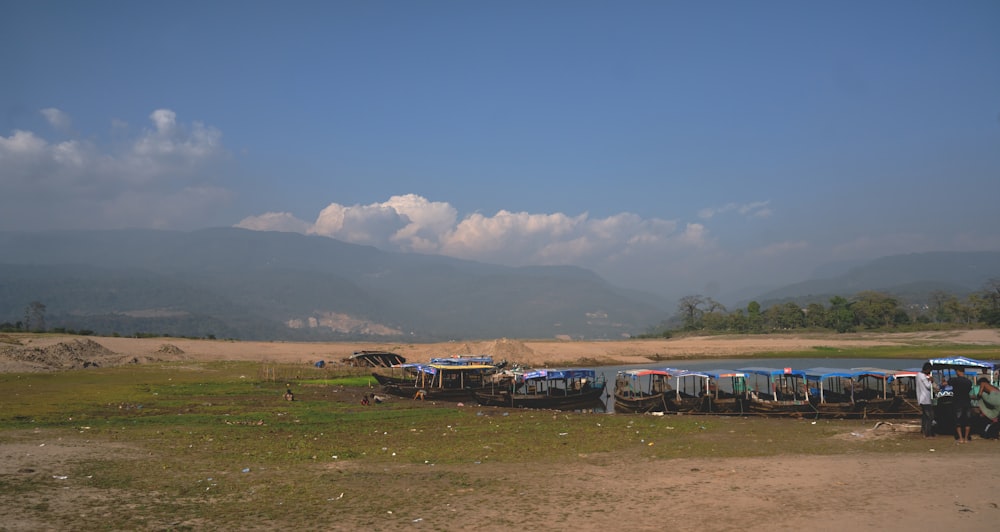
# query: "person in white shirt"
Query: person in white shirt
{"points": [[925, 397]]}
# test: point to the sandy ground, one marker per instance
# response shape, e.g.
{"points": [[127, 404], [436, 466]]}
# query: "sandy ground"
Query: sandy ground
{"points": [[526, 352], [949, 486]]}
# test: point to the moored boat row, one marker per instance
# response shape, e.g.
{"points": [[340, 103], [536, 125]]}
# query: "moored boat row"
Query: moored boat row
{"points": [[818, 392], [477, 378], [757, 390]]}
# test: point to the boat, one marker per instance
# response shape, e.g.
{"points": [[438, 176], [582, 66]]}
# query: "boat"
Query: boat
{"points": [[904, 389], [777, 391], [463, 360], [559, 389], [375, 359], [873, 392], [443, 382], [638, 391], [690, 394], [728, 389], [407, 373], [400, 374], [831, 392]]}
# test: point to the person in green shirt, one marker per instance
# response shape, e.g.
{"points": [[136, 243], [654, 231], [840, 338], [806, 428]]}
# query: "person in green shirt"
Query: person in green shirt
{"points": [[989, 400]]}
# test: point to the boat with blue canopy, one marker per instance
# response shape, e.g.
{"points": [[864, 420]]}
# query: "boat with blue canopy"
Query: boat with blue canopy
{"points": [[831, 392], [728, 389], [440, 381], [777, 391], [559, 389], [463, 360]]}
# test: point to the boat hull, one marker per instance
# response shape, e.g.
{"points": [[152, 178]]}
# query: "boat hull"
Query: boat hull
{"points": [[411, 391], [779, 408], [590, 398], [641, 404]]}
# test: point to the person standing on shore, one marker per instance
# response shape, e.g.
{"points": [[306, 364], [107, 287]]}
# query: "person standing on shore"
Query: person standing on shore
{"points": [[925, 397], [962, 388]]}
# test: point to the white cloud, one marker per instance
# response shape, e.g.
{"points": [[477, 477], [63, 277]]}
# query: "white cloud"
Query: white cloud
{"points": [[57, 119], [275, 221], [757, 209], [85, 184], [621, 246]]}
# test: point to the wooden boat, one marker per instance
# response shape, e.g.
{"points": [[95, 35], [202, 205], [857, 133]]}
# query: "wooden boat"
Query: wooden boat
{"points": [[559, 389], [690, 394], [728, 389], [831, 392], [408, 374], [903, 387], [443, 382], [639, 391], [463, 360], [777, 391], [399, 374], [375, 359], [873, 393], [707, 392]]}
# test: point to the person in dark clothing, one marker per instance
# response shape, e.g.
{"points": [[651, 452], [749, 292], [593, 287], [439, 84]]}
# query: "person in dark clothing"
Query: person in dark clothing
{"points": [[962, 388]]}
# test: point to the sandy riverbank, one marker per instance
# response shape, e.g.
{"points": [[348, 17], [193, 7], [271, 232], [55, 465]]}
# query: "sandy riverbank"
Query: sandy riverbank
{"points": [[33, 353]]}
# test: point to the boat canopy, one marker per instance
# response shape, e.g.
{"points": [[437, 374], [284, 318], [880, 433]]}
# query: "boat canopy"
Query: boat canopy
{"points": [[636, 373], [829, 373], [463, 360], [559, 374], [417, 367], [955, 362], [433, 369], [772, 372], [461, 367], [724, 373]]}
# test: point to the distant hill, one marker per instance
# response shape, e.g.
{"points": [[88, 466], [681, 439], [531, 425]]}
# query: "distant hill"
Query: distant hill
{"points": [[911, 277], [234, 283]]}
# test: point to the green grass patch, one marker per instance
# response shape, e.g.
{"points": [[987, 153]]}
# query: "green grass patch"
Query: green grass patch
{"points": [[188, 446]]}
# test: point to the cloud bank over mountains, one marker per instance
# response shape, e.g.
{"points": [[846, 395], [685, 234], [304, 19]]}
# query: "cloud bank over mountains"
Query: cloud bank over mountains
{"points": [[171, 174], [412, 223]]}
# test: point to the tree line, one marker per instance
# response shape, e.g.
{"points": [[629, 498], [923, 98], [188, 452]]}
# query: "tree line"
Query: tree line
{"points": [[868, 310]]}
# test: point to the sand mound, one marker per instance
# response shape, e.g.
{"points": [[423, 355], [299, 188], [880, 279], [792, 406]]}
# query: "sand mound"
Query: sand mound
{"points": [[512, 351], [72, 354], [170, 349], [509, 349]]}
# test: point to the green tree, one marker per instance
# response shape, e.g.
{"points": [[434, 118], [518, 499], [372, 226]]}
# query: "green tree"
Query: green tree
{"points": [[816, 315], [792, 316], [840, 317], [989, 303], [755, 321], [690, 310], [875, 309]]}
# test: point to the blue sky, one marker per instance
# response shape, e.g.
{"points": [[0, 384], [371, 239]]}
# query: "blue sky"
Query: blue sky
{"points": [[679, 147]]}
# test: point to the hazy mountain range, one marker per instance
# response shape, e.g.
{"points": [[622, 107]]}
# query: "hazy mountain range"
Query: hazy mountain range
{"points": [[234, 283]]}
